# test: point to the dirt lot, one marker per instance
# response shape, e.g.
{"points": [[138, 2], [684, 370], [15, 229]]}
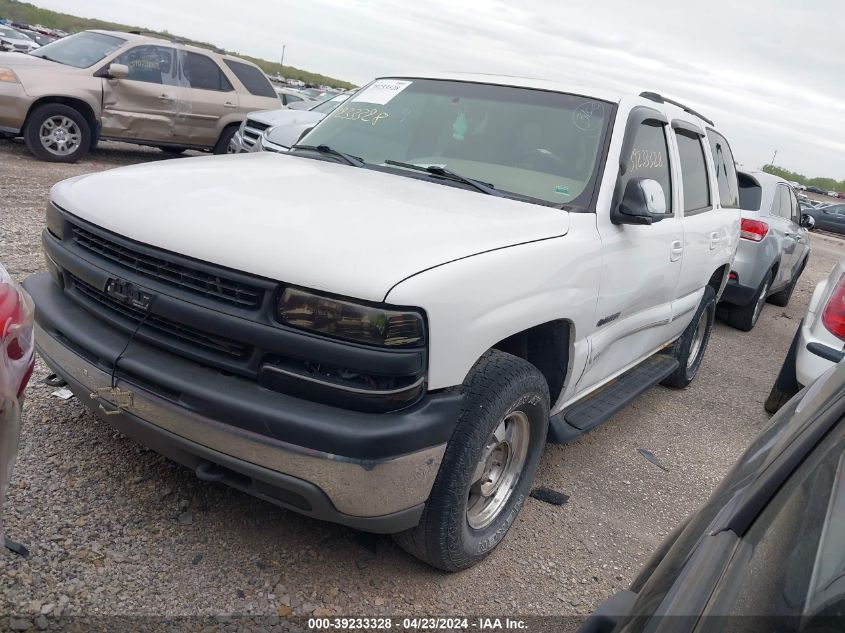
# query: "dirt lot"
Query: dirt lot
{"points": [[115, 529]]}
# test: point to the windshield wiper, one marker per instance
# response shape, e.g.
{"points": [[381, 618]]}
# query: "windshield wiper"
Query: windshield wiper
{"points": [[325, 149], [436, 170]]}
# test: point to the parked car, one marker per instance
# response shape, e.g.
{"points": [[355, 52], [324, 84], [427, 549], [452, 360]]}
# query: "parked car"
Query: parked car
{"points": [[818, 343], [67, 95], [12, 40], [17, 359], [773, 250], [291, 120], [461, 267], [287, 130], [767, 550], [290, 96], [814, 189], [39, 38], [829, 217]]}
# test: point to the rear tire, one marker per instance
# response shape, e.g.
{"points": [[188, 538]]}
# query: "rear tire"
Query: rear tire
{"points": [[57, 133], [781, 299], [689, 349], [222, 146], [488, 467], [745, 317]]}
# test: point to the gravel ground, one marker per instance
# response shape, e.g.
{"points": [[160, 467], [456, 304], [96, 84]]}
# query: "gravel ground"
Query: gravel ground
{"points": [[114, 529]]}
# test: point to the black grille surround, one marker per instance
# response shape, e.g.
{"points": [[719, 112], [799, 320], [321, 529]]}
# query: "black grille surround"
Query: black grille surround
{"points": [[217, 287], [183, 333]]}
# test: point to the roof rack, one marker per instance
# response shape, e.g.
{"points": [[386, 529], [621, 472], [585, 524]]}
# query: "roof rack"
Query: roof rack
{"points": [[653, 96], [173, 39]]}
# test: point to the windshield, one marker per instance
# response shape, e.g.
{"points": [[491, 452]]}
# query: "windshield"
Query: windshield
{"points": [[81, 50], [545, 145], [327, 105]]}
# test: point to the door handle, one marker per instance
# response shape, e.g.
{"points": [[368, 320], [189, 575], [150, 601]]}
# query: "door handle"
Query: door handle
{"points": [[715, 240], [166, 98], [229, 104], [677, 251]]}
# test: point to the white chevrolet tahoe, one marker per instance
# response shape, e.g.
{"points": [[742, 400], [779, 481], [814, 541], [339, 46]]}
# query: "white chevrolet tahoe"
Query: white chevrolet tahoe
{"points": [[462, 268]]}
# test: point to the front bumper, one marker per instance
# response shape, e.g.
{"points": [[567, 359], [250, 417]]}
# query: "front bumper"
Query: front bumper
{"points": [[245, 444]]}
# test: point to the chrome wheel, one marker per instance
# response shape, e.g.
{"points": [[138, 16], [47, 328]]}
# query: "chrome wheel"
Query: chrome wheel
{"points": [[761, 301], [498, 470], [60, 135], [697, 339]]}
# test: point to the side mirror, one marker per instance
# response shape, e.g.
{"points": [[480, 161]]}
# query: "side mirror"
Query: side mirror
{"points": [[642, 203], [807, 221], [118, 71]]}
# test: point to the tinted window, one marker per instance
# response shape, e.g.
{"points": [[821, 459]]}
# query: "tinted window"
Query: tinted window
{"points": [[202, 73], [81, 50], [792, 560], [291, 98], [723, 161], [150, 64], [252, 78], [649, 157], [693, 172], [546, 145], [750, 193]]}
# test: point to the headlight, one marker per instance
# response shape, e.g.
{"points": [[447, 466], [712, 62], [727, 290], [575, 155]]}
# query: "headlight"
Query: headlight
{"points": [[350, 321], [7, 75]]}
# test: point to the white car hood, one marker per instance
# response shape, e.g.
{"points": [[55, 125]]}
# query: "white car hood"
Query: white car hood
{"points": [[284, 116], [313, 223]]}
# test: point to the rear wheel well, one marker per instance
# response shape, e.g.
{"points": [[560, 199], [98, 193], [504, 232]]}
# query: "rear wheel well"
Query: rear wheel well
{"points": [[719, 278], [545, 346], [77, 104]]}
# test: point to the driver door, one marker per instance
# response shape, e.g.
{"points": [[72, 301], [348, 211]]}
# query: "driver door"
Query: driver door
{"points": [[144, 106]]}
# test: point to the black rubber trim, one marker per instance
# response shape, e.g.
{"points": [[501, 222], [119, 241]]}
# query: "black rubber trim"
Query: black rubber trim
{"points": [[277, 488], [267, 338], [242, 402], [736, 294], [823, 351]]}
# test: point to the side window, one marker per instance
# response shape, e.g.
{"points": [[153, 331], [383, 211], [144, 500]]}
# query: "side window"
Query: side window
{"points": [[203, 74], [293, 98], [693, 172], [723, 161], [795, 207], [252, 78], [791, 562], [649, 157], [150, 64]]}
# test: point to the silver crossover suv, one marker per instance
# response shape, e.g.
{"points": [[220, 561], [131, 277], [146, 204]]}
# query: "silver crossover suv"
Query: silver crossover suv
{"points": [[773, 251]]}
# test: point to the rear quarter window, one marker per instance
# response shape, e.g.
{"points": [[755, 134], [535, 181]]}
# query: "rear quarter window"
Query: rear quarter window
{"points": [[723, 161], [252, 78]]}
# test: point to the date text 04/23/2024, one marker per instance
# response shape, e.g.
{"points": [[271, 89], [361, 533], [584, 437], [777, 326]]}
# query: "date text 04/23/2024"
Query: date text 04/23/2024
{"points": [[418, 624]]}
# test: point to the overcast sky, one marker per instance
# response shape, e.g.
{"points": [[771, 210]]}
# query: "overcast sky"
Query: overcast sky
{"points": [[771, 73]]}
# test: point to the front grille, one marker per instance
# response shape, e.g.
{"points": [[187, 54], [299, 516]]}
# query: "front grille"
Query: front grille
{"points": [[252, 130], [212, 286], [185, 334]]}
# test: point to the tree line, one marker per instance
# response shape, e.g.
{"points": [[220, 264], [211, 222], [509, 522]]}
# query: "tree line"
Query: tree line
{"points": [[828, 184]]}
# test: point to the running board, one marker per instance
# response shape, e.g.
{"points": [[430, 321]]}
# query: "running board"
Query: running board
{"points": [[604, 402]]}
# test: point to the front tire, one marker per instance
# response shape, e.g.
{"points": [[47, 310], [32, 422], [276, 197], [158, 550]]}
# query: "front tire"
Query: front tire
{"points": [[488, 467], [222, 146], [57, 133], [170, 149], [689, 349], [745, 317]]}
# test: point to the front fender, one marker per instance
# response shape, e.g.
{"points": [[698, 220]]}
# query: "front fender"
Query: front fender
{"points": [[474, 303]]}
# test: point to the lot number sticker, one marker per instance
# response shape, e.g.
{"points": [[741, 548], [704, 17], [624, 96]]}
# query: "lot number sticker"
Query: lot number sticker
{"points": [[381, 92]]}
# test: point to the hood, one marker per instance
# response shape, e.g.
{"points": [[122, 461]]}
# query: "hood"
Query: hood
{"points": [[288, 132], [313, 223], [283, 116], [17, 61]]}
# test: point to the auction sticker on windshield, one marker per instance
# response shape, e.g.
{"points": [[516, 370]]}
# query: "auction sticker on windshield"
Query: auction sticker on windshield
{"points": [[381, 92]]}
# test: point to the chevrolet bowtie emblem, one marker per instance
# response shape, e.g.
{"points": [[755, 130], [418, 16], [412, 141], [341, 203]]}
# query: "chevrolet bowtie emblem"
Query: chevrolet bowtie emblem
{"points": [[117, 396]]}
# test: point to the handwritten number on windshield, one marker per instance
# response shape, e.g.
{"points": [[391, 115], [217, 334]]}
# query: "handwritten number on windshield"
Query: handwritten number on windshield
{"points": [[365, 115]]}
